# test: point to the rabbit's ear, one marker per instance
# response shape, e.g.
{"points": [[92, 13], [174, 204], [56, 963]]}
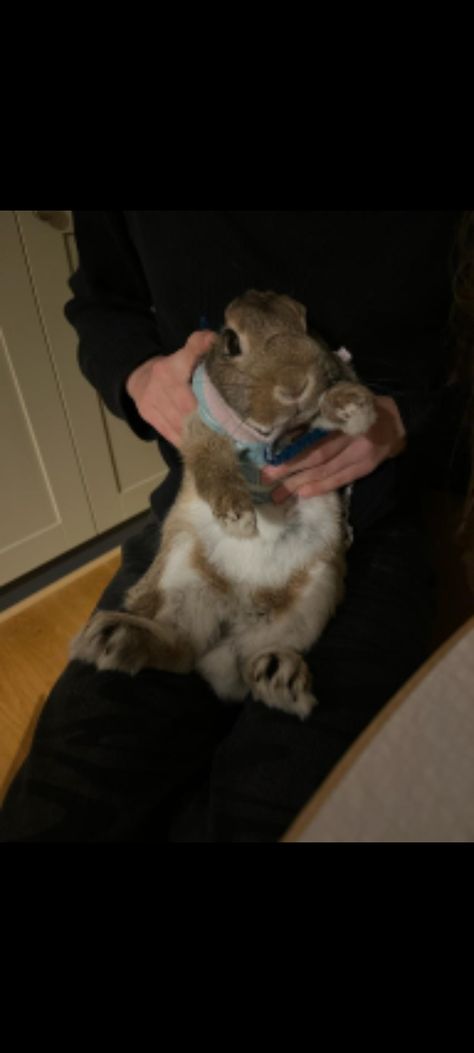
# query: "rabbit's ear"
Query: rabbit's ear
{"points": [[298, 311]]}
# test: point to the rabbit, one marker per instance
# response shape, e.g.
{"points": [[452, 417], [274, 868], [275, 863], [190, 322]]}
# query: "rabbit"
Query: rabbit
{"points": [[241, 587]]}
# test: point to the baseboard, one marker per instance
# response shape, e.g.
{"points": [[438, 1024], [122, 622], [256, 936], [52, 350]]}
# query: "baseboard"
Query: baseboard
{"points": [[20, 590]]}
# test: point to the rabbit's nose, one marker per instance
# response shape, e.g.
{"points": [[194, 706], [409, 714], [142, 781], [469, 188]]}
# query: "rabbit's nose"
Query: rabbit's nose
{"points": [[293, 390]]}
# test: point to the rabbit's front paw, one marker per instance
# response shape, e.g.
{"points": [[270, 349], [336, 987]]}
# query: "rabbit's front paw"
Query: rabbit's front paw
{"points": [[281, 679], [236, 513], [349, 407]]}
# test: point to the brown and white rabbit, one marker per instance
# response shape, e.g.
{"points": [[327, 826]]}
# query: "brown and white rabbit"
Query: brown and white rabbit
{"points": [[242, 586]]}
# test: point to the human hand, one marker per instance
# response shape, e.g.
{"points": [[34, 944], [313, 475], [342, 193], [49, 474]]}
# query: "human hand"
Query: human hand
{"points": [[340, 459], [161, 389]]}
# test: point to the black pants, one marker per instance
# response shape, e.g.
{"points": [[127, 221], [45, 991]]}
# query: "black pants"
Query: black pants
{"points": [[158, 758]]}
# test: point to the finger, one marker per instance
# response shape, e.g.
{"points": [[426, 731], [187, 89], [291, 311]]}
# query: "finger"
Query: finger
{"points": [[334, 482], [197, 345], [173, 437], [323, 451], [360, 451], [324, 479], [167, 421], [164, 428], [350, 455]]}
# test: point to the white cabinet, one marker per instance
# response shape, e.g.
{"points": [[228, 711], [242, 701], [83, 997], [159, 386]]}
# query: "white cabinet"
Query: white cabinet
{"points": [[69, 470]]}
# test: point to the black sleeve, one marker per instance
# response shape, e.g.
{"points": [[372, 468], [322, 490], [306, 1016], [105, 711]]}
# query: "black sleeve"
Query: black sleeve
{"points": [[111, 311], [435, 423], [418, 410]]}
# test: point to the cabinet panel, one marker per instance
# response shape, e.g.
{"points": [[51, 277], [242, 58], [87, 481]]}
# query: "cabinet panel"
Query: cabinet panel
{"points": [[26, 498], [45, 510], [135, 462], [119, 470]]}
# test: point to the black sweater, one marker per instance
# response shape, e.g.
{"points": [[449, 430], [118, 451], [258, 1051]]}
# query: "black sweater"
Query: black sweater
{"points": [[378, 283]]}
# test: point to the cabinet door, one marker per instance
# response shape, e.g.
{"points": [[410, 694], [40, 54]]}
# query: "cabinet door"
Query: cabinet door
{"points": [[44, 506], [119, 469]]}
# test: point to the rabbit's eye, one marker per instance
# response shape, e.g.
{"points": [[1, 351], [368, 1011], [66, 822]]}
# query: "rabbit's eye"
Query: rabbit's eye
{"points": [[232, 343]]}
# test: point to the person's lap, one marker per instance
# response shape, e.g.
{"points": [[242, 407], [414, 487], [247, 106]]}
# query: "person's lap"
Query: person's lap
{"points": [[157, 757]]}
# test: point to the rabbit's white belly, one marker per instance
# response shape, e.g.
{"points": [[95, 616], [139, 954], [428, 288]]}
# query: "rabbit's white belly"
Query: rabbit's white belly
{"points": [[289, 537]]}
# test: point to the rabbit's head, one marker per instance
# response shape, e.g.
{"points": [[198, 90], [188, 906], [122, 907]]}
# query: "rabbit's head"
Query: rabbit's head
{"points": [[266, 366]]}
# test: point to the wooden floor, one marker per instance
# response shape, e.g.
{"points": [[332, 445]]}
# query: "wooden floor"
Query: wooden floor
{"points": [[34, 644]]}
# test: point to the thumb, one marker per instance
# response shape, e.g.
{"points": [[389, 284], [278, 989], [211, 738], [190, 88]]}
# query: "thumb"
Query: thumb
{"points": [[197, 345]]}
